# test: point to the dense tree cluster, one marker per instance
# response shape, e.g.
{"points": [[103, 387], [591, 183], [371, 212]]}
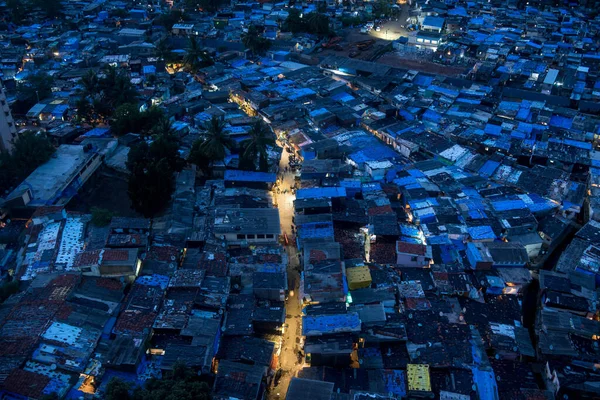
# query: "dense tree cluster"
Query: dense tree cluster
{"points": [[30, 150], [205, 5], [314, 22], [37, 87], [216, 143], [8, 289], [255, 42], [180, 384], [212, 147], [254, 155], [170, 18], [152, 168], [101, 95], [20, 9], [196, 57], [128, 118]]}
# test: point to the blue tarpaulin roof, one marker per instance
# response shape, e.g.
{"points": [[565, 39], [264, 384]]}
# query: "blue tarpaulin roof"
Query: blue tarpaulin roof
{"points": [[161, 281], [431, 115], [149, 69], [314, 193], [377, 152], [250, 176], [485, 382], [506, 205], [408, 180], [96, 132], [394, 381], [481, 232], [423, 80], [315, 230], [492, 129], [561, 122], [488, 168], [320, 324], [406, 115], [343, 97]]}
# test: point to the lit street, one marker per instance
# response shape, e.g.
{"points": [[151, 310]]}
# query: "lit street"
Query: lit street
{"points": [[289, 359], [395, 27]]}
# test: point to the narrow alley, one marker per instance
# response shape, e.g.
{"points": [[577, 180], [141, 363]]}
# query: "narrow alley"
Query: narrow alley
{"points": [[289, 359]]}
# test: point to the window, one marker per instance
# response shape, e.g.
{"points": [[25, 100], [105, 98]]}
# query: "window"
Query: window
{"points": [[260, 236], [251, 236], [270, 236], [414, 258], [241, 236]]}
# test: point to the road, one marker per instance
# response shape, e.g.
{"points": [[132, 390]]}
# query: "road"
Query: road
{"points": [[392, 29], [288, 359]]}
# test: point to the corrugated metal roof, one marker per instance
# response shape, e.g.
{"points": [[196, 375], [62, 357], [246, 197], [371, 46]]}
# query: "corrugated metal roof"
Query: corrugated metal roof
{"points": [[418, 377]]}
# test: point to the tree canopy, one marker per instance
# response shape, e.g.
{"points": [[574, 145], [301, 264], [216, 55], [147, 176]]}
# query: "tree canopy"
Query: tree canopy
{"points": [[30, 150], [170, 18], [196, 57], [17, 9], [294, 22], [8, 289], [314, 22], [151, 180], [101, 96], [128, 118], [205, 5], [256, 148], [52, 8], [101, 216], [164, 50], [255, 42], [116, 88], [37, 86], [180, 384], [213, 147]]}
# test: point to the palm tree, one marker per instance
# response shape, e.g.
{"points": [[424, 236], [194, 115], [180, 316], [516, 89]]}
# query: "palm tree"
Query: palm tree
{"points": [[318, 23], [117, 88], [163, 128], [90, 83], [254, 42], [217, 140], [166, 144], [213, 147], [195, 56], [260, 139], [163, 50]]}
